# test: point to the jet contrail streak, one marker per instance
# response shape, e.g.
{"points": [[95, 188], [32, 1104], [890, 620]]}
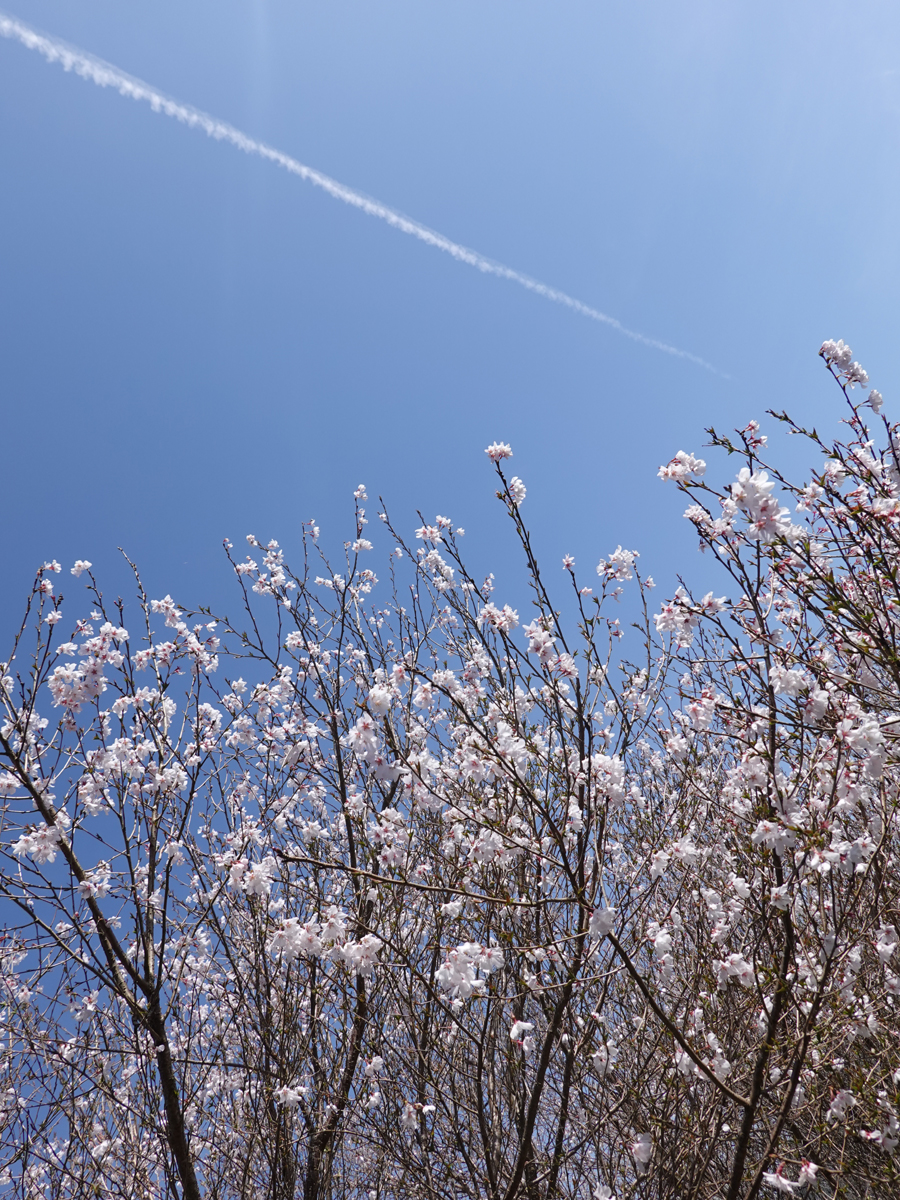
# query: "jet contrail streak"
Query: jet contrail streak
{"points": [[105, 75]]}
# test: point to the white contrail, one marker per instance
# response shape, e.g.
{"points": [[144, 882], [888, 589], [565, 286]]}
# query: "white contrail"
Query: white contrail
{"points": [[105, 75]]}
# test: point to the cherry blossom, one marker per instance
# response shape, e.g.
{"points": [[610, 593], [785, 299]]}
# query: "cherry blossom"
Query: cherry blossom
{"points": [[375, 890]]}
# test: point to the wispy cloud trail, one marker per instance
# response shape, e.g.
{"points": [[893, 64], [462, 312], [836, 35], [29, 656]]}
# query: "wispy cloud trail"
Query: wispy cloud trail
{"points": [[104, 74]]}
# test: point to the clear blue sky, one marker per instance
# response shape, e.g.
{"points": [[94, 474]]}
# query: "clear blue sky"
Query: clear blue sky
{"points": [[196, 344]]}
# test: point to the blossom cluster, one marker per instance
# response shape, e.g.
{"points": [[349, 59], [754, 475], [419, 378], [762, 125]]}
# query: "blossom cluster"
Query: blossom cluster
{"points": [[348, 886]]}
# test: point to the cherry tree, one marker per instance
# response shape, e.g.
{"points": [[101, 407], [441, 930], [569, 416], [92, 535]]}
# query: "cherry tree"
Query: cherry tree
{"points": [[380, 889]]}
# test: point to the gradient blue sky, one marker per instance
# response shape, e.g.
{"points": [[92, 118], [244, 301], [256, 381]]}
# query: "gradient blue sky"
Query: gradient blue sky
{"points": [[195, 344]]}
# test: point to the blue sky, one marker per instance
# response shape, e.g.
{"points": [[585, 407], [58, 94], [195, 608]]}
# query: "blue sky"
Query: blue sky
{"points": [[195, 344]]}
